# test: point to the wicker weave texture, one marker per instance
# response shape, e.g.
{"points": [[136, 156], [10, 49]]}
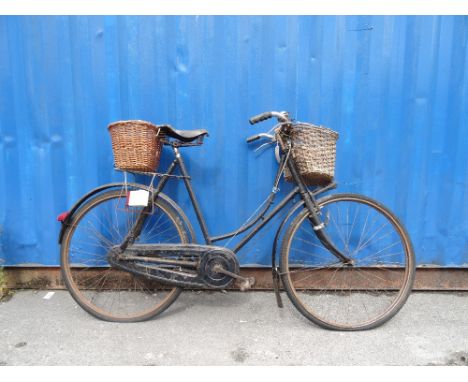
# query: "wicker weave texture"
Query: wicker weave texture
{"points": [[314, 152], [136, 145]]}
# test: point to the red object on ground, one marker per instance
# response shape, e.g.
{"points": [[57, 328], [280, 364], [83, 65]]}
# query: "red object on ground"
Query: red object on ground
{"points": [[62, 216]]}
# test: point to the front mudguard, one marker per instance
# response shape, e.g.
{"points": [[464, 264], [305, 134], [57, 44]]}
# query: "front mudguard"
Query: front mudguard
{"points": [[274, 268], [292, 211], [69, 218]]}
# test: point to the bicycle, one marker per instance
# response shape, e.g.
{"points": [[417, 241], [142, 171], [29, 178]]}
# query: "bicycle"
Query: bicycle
{"points": [[346, 262]]}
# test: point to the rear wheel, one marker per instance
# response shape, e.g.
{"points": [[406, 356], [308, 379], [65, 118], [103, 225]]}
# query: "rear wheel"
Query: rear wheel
{"points": [[102, 290], [334, 295]]}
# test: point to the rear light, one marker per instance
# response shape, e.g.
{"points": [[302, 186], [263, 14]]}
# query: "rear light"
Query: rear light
{"points": [[63, 216]]}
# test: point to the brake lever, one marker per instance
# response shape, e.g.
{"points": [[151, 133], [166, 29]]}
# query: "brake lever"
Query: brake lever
{"points": [[271, 137], [264, 144]]}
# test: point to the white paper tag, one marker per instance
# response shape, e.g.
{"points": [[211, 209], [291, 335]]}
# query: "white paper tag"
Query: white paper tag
{"points": [[138, 198]]}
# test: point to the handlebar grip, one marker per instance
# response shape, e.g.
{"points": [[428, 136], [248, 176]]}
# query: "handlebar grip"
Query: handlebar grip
{"points": [[260, 117], [253, 138]]}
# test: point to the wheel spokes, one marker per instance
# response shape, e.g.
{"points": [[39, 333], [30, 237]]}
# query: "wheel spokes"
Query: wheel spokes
{"points": [[349, 296], [99, 286]]}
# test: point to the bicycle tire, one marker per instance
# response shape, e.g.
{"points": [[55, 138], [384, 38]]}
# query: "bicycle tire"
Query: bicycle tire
{"points": [[119, 280], [335, 283]]}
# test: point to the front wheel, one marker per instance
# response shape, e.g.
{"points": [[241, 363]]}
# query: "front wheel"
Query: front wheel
{"points": [[342, 297]]}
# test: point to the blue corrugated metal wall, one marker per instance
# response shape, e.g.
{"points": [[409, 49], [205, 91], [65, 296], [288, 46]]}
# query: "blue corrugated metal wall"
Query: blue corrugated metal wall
{"points": [[396, 89]]}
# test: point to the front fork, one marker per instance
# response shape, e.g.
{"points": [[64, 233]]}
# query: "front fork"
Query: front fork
{"points": [[319, 228], [314, 217]]}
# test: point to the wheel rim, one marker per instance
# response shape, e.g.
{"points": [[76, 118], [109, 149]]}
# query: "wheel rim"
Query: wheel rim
{"points": [[102, 290], [342, 297]]}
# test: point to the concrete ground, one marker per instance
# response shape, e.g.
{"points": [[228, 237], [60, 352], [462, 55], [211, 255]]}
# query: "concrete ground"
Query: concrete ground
{"points": [[213, 328]]}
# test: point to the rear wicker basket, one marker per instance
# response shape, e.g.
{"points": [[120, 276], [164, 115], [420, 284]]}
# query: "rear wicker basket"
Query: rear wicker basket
{"points": [[136, 145], [314, 152]]}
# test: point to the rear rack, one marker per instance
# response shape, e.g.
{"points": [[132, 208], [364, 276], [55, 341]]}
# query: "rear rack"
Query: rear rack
{"points": [[152, 174]]}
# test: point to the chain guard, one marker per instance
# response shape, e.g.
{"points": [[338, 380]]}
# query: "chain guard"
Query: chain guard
{"points": [[193, 263]]}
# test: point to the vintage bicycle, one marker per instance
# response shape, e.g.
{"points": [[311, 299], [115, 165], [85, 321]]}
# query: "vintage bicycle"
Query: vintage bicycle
{"points": [[345, 261]]}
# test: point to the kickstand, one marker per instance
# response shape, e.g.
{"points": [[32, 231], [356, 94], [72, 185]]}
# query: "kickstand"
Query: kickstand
{"points": [[276, 286]]}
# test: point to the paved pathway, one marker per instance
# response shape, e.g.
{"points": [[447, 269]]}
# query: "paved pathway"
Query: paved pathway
{"points": [[212, 328]]}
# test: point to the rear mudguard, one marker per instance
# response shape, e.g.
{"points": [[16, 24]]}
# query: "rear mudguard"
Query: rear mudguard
{"points": [[66, 222]]}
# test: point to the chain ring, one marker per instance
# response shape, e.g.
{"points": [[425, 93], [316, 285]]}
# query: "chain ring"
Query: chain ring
{"points": [[212, 278]]}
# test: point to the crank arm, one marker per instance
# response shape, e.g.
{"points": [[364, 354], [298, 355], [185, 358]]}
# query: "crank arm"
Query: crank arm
{"points": [[247, 282]]}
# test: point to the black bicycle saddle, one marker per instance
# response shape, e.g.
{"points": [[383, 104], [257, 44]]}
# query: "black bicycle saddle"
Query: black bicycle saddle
{"points": [[183, 135]]}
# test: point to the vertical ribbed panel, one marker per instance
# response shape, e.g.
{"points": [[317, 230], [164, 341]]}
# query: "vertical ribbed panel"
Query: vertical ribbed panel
{"points": [[395, 88]]}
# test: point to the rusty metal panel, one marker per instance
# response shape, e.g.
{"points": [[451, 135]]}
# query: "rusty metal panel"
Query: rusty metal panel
{"points": [[395, 88], [427, 279]]}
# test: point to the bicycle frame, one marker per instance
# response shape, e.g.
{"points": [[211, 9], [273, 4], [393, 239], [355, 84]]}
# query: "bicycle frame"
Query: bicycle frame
{"points": [[300, 189]]}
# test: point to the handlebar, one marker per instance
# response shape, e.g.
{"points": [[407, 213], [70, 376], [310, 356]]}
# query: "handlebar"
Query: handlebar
{"points": [[253, 138], [258, 136], [260, 117], [281, 116]]}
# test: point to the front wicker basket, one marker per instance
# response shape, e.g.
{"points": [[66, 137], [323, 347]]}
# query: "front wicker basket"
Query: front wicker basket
{"points": [[136, 145], [314, 152]]}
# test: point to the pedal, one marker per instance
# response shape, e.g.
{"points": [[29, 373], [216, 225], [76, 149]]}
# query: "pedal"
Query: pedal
{"points": [[247, 283]]}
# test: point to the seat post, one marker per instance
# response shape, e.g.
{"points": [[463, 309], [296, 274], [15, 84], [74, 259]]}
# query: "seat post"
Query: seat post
{"points": [[193, 198]]}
